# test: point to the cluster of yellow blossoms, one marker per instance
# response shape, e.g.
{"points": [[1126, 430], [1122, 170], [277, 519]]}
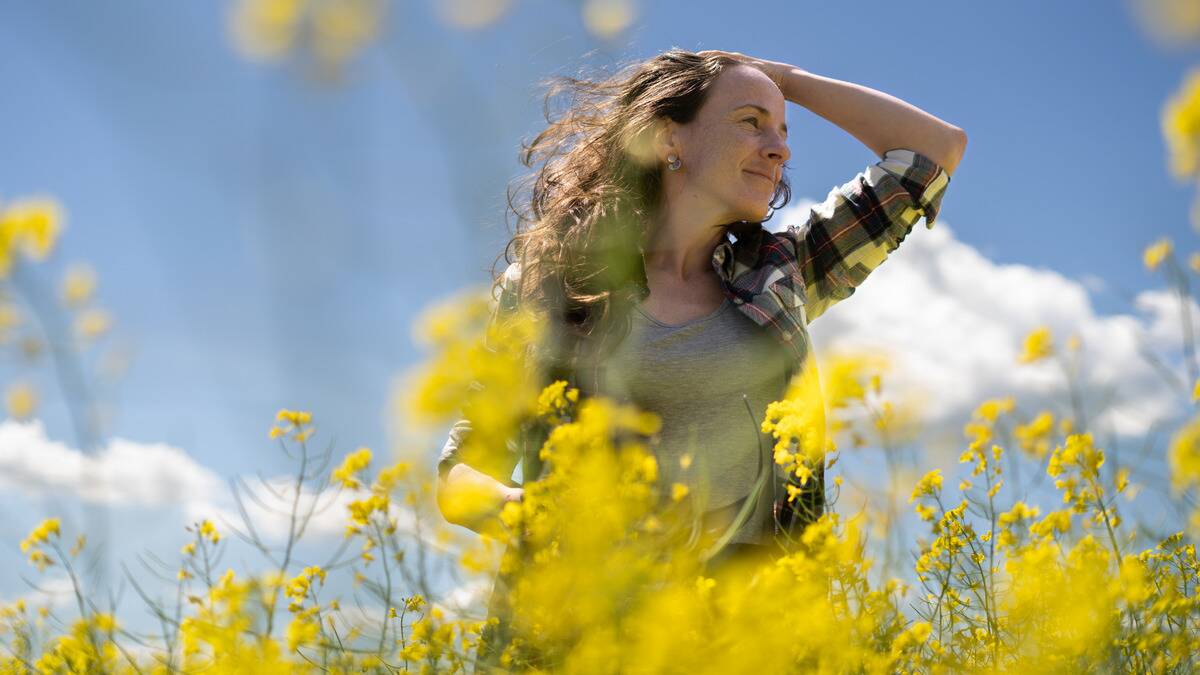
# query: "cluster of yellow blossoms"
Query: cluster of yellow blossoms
{"points": [[1000, 583]]}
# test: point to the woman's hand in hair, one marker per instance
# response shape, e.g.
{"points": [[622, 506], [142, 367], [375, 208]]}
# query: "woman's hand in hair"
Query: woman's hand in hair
{"points": [[773, 69]]}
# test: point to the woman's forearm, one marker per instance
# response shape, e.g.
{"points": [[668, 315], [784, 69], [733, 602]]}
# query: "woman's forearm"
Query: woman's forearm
{"points": [[881, 121], [473, 499]]}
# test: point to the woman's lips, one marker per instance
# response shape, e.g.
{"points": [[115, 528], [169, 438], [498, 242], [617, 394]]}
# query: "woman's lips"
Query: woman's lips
{"points": [[772, 182]]}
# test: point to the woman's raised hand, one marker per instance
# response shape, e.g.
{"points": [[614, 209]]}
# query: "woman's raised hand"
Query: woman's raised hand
{"points": [[773, 69]]}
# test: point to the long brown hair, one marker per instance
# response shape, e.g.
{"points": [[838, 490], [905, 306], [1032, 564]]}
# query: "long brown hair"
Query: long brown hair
{"points": [[597, 188]]}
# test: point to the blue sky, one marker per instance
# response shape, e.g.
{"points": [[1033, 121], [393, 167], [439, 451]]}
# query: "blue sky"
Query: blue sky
{"points": [[264, 241]]}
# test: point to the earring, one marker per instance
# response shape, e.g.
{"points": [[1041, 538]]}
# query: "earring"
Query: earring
{"points": [[674, 162]]}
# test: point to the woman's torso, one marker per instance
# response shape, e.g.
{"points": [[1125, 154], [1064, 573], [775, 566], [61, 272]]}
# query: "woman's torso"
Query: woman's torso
{"points": [[694, 374]]}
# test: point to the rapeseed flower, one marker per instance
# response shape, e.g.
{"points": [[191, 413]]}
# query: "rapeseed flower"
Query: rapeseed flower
{"points": [[929, 484], [346, 474], [1155, 253], [1039, 344]]}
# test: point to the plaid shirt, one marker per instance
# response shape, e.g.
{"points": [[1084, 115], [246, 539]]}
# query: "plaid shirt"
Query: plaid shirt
{"points": [[784, 280]]}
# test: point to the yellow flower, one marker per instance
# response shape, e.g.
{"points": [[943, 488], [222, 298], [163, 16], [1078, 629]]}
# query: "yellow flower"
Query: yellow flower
{"points": [[1038, 345], [1034, 438], [555, 401], [1181, 126], [209, 531], [354, 462], [678, 491], [92, 323], [41, 534], [21, 400], [929, 484], [332, 31], [1155, 253], [990, 409], [294, 418], [391, 476], [1122, 479], [1183, 456], [78, 285], [31, 226], [1020, 511], [926, 512]]}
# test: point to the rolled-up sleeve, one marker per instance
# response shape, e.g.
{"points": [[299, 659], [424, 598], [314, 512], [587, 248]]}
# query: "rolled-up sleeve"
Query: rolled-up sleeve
{"points": [[852, 232], [501, 463]]}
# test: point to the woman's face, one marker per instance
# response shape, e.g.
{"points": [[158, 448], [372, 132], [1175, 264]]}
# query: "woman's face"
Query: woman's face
{"points": [[732, 152]]}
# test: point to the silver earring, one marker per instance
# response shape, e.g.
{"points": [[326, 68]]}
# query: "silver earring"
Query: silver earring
{"points": [[674, 162]]}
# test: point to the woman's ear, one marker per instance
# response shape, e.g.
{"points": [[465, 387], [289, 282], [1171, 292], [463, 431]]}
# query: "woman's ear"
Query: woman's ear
{"points": [[666, 135], [651, 147]]}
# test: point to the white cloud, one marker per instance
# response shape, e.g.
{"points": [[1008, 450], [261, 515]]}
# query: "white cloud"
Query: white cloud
{"points": [[953, 323], [123, 473], [131, 474], [268, 505], [54, 592]]}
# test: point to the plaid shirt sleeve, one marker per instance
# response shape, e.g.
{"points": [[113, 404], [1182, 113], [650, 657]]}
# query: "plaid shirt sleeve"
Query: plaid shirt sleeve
{"points": [[851, 233], [499, 465]]}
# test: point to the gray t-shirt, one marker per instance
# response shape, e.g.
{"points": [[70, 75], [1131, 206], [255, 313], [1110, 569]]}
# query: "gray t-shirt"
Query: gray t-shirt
{"points": [[693, 375]]}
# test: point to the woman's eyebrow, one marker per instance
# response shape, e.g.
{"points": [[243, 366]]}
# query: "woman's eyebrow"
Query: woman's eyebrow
{"points": [[761, 110]]}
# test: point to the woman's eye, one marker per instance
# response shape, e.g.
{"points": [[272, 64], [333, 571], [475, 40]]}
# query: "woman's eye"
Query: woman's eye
{"points": [[752, 119]]}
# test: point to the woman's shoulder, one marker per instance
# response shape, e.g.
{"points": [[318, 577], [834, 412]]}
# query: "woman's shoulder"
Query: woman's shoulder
{"points": [[755, 244]]}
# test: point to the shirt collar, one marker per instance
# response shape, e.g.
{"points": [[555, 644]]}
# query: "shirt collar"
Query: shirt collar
{"points": [[723, 259]]}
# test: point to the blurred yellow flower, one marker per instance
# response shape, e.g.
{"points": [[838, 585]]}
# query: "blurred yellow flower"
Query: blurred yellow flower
{"points": [[332, 31], [30, 226], [925, 512], [92, 324], [346, 474], [1155, 253], [555, 401], [1180, 123], [1173, 22], [50, 527], [1039, 344], [21, 400], [678, 491], [1034, 438], [607, 18], [472, 14], [1183, 456], [929, 484], [78, 285], [209, 531]]}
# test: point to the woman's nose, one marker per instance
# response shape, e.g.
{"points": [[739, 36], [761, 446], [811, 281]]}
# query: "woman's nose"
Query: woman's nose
{"points": [[779, 149]]}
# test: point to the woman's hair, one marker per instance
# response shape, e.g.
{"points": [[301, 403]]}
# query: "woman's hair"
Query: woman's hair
{"points": [[596, 188]]}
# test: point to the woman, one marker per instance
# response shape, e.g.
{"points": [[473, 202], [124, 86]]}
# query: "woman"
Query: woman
{"points": [[627, 246]]}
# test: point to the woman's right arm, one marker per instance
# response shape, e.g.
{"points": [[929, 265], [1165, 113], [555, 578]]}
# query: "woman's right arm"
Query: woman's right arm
{"points": [[472, 494], [473, 499]]}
